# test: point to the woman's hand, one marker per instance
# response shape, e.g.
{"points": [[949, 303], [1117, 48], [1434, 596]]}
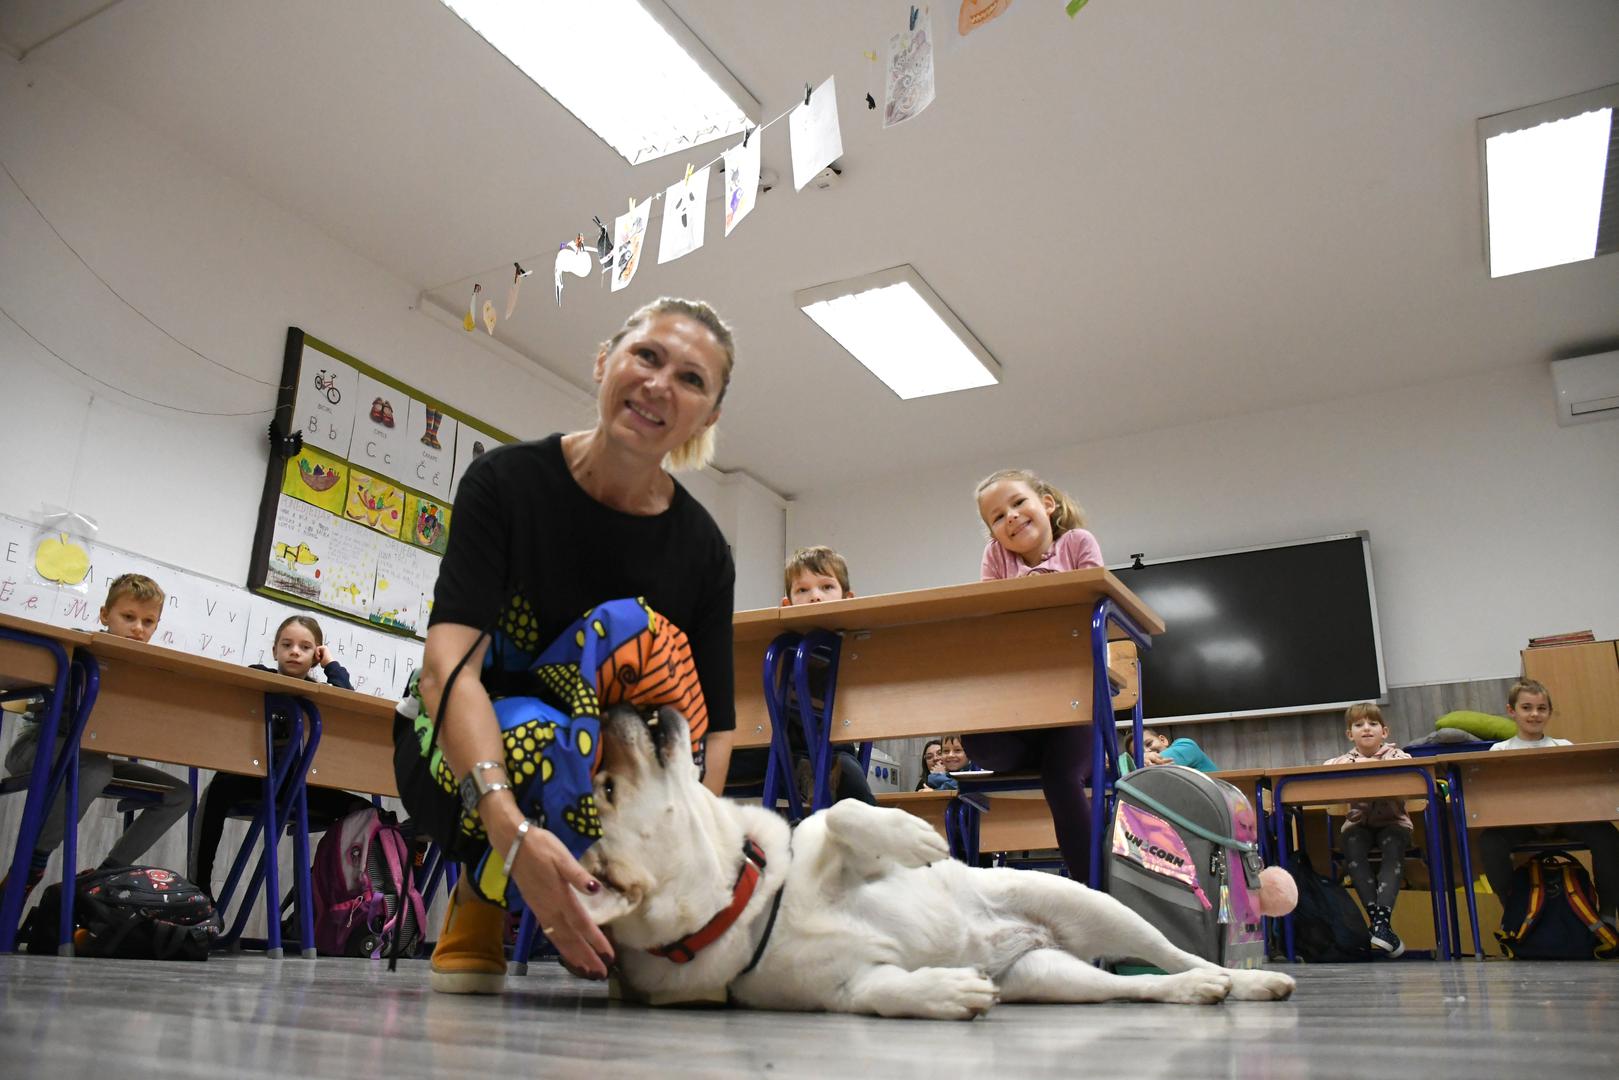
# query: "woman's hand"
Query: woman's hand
{"points": [[546, 874]]}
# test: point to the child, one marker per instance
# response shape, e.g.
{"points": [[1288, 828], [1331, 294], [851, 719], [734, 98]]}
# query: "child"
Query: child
{"points": [[1036, 529], [1183, 751], [1529, 705], [133, 607], [299, 646], [813, 575], [1379, 823]]}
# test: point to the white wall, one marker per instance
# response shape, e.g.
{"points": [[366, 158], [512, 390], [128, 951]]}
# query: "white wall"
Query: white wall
{"points": [[226, 272], [1489, 523]]}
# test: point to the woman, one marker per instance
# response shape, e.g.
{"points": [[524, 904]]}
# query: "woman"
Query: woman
{"points": [[541, 532]]}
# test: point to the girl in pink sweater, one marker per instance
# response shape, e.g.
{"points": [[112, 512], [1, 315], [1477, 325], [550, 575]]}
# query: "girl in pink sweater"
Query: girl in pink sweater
{"points": [[1379, 823]]}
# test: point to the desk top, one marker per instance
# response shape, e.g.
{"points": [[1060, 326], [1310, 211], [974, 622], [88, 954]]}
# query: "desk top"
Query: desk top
{"points": [[1035, 592]]}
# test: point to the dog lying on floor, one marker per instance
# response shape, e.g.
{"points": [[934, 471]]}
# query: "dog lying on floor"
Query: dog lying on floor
{"points": [[859, 910]]}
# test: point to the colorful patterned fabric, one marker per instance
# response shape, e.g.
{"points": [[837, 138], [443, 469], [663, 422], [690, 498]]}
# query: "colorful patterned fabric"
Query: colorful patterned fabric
{"points": [[620, 651]]}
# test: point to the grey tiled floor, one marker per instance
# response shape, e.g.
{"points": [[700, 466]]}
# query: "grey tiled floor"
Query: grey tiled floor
{"points": [[246, 1016]]}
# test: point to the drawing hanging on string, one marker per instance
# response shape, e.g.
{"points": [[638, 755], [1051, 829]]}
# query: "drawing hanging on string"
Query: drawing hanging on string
{"points": [[742, 179], [518, 274], [629, 232], [685, 213], [909, 88], [975, 13], [572, 258], [817, 141], [470, 323]]}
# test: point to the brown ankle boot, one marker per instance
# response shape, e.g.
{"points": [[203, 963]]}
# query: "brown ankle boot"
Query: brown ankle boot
{"points": [[470, 957]]}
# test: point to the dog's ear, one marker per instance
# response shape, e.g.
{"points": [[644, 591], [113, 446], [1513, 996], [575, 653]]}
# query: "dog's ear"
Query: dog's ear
{"points": [[605, 905], [671, 735]]}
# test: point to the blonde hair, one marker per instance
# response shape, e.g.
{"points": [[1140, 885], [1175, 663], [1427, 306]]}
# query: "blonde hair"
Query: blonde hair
{"points": [[817, 560], [1066, 517], [137, 586], [698, 450], [1529, 686], [1366, 710]]}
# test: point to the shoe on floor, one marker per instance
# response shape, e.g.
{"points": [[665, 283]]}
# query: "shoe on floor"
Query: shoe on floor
{"points": [[470, 957], [1385, 940]]}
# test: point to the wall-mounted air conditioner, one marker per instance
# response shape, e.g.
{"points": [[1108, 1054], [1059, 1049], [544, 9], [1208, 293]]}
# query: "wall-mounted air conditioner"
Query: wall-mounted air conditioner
{"points": [[1587, 388]]}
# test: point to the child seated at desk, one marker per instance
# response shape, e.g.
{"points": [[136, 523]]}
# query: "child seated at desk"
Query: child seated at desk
{"points": [[299, 647], [1034, 528], [1529, 705], [1183, 751], [812, 575], [133, 607], [934, 777], [1376, 823]]}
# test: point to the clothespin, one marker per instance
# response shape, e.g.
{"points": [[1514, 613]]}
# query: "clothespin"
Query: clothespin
{"points": [[747, 134], [688, 174], [914, 13], [871, 102], [519, 271], [632, 204], [808, 90], [869, 55]]}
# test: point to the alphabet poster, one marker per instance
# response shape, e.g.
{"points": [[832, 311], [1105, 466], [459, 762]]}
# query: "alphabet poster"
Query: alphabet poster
{"points": [[356, 518]]}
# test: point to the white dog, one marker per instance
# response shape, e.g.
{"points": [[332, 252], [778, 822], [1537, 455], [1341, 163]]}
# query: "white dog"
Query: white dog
{"points": [[860, 910]]}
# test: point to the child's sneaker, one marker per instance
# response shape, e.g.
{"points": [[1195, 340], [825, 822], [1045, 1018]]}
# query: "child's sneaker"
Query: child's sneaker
{"points": [[1384, 939]]}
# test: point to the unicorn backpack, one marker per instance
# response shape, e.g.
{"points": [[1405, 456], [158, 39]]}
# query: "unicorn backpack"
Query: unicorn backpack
{"points": [[366, 903]]}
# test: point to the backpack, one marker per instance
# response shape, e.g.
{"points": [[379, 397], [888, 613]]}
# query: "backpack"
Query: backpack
{"points": [[365, 897], [1183, 854], [131, 912], [1327, 926], [1551, 913]]}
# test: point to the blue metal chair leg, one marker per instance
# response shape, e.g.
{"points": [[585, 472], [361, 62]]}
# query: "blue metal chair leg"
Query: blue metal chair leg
{"points": [[527, 927], [1459, 817]]}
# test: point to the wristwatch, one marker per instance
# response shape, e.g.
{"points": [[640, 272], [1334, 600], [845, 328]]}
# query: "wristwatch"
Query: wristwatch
{"points": [[474, 787]]}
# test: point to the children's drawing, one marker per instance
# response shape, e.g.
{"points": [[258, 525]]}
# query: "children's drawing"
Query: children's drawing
{"points": [[572, 258], [685, 213], [910, 72], [297, 544], [817, 140], [470, 323], [405, 576], [375, 503], [489, 316], [518, 274], [327, 399], [741, 179], [427, 523], [349, 575], [629, 232], [317, 479], [975, 13]]}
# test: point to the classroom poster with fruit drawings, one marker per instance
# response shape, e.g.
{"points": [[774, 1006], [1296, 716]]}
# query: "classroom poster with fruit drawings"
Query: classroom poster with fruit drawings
{"points": [[358, 498]]}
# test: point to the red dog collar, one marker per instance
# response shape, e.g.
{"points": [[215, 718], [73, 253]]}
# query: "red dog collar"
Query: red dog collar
{"points": [[747, 879]]}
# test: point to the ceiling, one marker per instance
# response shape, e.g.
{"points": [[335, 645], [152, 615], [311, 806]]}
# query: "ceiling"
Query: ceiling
{"points": [[1151, 214]]}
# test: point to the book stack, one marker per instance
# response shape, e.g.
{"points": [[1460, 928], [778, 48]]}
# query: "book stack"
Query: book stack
{"points": [[1576, 637]]}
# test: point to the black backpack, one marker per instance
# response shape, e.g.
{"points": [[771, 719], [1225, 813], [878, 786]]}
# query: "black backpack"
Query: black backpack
{"points": [[133, 912], [1327, 926], [1551, 913]]}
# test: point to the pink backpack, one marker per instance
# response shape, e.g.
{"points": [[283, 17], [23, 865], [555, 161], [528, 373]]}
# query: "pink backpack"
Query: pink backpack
{"points": [[365, 896]]}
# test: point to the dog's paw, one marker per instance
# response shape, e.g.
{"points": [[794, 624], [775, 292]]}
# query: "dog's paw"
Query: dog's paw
{"points": [[955, 994], [1260, 986], [1200, 986], [910, 841]]}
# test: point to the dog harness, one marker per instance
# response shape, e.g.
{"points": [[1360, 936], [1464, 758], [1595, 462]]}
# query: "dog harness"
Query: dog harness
{"points": [[747, 879]]}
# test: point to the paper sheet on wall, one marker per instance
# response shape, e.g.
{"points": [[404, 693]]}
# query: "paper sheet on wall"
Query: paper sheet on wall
{"points": [[210, 616], [324, 405], [349, 574], [316, 478], [817, 141], [741, 180], [629, 233], [20, 593], [432, 449], [427, 523], [405, 577], [376, 503], [382, 442], [470, 443], [263, 616], [685, 212], [407, 658], [368, 656], [299, 543], [909, 87]]}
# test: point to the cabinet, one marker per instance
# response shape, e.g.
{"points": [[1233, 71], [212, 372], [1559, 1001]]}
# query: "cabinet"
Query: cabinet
{"points": [[1584, 685]]}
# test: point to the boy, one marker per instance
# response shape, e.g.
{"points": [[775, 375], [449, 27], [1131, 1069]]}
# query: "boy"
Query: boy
{"points": [[1183, 751], [1529, 705], [1379, 823], [132, 610], [813, 575]]}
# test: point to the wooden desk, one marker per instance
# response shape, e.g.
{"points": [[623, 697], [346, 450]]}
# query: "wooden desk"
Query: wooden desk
{"points": [[1539, 787], [356, 749], [988, 656], [1016, 820], [23, 666], [1340, 784]]}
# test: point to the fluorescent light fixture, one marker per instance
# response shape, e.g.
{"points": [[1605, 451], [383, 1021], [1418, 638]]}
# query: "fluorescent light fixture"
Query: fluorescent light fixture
{"points": [[1550, 193], [902, 332], [633, 73]]}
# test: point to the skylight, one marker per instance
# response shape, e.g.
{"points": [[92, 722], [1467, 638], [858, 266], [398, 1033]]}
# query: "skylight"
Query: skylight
{"points": [[902, 332], [633, 74], [1549, 183]]}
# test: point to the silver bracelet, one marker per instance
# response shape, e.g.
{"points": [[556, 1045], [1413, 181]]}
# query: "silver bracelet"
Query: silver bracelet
{"points": [[517, 845]]}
